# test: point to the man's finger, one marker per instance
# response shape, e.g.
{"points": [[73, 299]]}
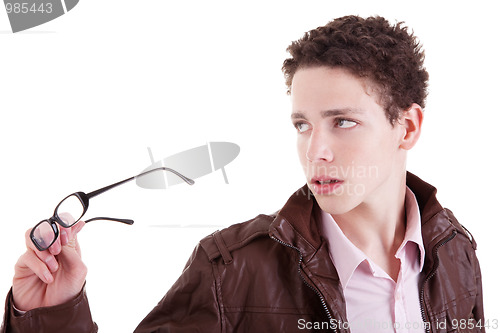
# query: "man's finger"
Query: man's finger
{"points": [[29, 263]]}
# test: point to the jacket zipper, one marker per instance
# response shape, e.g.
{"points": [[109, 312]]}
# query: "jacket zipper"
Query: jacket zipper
{"points": [[323, 302], [433, 272]]}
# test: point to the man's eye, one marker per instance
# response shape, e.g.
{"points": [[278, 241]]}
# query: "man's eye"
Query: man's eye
{"points": [[301, 127], [344, 123]]}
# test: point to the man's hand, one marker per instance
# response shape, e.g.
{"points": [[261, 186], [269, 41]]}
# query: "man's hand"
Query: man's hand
{"points": [[49, 277]]}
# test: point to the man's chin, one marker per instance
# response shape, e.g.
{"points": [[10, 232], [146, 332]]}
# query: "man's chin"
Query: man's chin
{"points": [[335, 205]]}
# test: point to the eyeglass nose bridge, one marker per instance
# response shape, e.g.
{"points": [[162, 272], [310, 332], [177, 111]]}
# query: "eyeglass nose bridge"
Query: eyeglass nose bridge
{"points": [[54, 227]]}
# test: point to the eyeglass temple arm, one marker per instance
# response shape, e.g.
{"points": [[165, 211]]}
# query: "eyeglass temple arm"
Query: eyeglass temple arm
{"points": [[126, 221], [109, 187]]}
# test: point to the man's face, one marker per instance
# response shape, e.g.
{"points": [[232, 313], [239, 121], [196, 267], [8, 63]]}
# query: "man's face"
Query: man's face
{"points": [[349, 151]]}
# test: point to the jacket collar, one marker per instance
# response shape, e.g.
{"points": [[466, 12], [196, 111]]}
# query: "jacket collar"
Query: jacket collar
{"points": [[296, 224], [426, 197]]}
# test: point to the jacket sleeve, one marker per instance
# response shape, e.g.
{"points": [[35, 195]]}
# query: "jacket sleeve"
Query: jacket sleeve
{"points": [[191, 304], [478, 310], [73, 316]]}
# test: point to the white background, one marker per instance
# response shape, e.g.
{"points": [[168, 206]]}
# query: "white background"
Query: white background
{"points": [[83, 96]]}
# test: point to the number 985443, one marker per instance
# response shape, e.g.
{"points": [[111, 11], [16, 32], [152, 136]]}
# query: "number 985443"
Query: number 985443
{"points": [[25, 8]]}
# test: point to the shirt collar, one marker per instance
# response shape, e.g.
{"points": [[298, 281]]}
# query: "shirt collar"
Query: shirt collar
{"points": [[413, 225], [347, 257]]}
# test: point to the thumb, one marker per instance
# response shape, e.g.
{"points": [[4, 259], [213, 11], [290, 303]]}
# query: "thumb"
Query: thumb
{"points": [[70, 250]]}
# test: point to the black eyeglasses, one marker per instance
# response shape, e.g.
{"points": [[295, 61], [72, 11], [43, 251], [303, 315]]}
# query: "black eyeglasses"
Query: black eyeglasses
{"points": [[72, 208]]}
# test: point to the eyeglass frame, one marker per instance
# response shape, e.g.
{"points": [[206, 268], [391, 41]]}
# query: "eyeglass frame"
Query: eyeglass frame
{"points": [[84, 200]]}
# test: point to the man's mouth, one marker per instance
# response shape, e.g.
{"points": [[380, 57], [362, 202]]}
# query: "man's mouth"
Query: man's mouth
{"points": [[324, 180], [325, 186], [329, 181]]}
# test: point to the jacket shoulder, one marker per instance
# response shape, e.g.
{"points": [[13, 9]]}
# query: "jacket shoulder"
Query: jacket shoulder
{"points": [[460, 228], [222, 242]]}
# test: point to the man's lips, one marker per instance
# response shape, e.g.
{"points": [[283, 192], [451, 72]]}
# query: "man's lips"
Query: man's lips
{"points": [[324, 180], [324, 185]]}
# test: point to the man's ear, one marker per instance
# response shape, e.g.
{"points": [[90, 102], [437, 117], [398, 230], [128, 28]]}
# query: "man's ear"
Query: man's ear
{"points": [[411, 120]]}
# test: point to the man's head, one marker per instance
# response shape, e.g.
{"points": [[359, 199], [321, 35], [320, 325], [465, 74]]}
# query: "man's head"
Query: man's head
{"points": [[356, 87], [388, 56]]}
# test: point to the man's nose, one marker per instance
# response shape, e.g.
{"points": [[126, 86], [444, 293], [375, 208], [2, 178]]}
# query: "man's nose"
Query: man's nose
{"points": [[319, 148]]}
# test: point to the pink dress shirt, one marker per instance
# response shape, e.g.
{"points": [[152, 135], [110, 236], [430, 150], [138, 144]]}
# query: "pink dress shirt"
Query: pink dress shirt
{"points": [[375, 302]]}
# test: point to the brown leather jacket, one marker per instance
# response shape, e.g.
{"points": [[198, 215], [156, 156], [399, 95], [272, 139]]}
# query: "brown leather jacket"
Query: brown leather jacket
{"points": [[274, 274]]}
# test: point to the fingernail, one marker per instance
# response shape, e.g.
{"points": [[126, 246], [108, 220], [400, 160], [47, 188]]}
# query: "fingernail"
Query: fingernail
{"points": [[52, 263], [48, 277], [64, 237], [55, 248]]}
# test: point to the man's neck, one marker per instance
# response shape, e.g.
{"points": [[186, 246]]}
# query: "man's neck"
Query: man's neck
{"points": [[377, 227]]}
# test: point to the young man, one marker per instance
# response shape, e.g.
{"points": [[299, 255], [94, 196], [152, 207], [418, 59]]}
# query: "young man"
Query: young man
{"points": [[364, 246]]}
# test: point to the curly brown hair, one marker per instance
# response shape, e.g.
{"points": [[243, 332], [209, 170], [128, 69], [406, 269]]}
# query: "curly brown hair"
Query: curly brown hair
{"points": [[389, 56]]}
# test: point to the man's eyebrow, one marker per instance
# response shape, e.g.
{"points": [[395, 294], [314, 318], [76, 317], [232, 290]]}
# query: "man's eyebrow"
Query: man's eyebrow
{"points": [[298, 115], [339, 112], [328, 113]]}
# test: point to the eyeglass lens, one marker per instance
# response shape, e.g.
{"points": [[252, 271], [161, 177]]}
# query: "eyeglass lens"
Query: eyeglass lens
{"points": [[70, 210], [43, 235]]}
